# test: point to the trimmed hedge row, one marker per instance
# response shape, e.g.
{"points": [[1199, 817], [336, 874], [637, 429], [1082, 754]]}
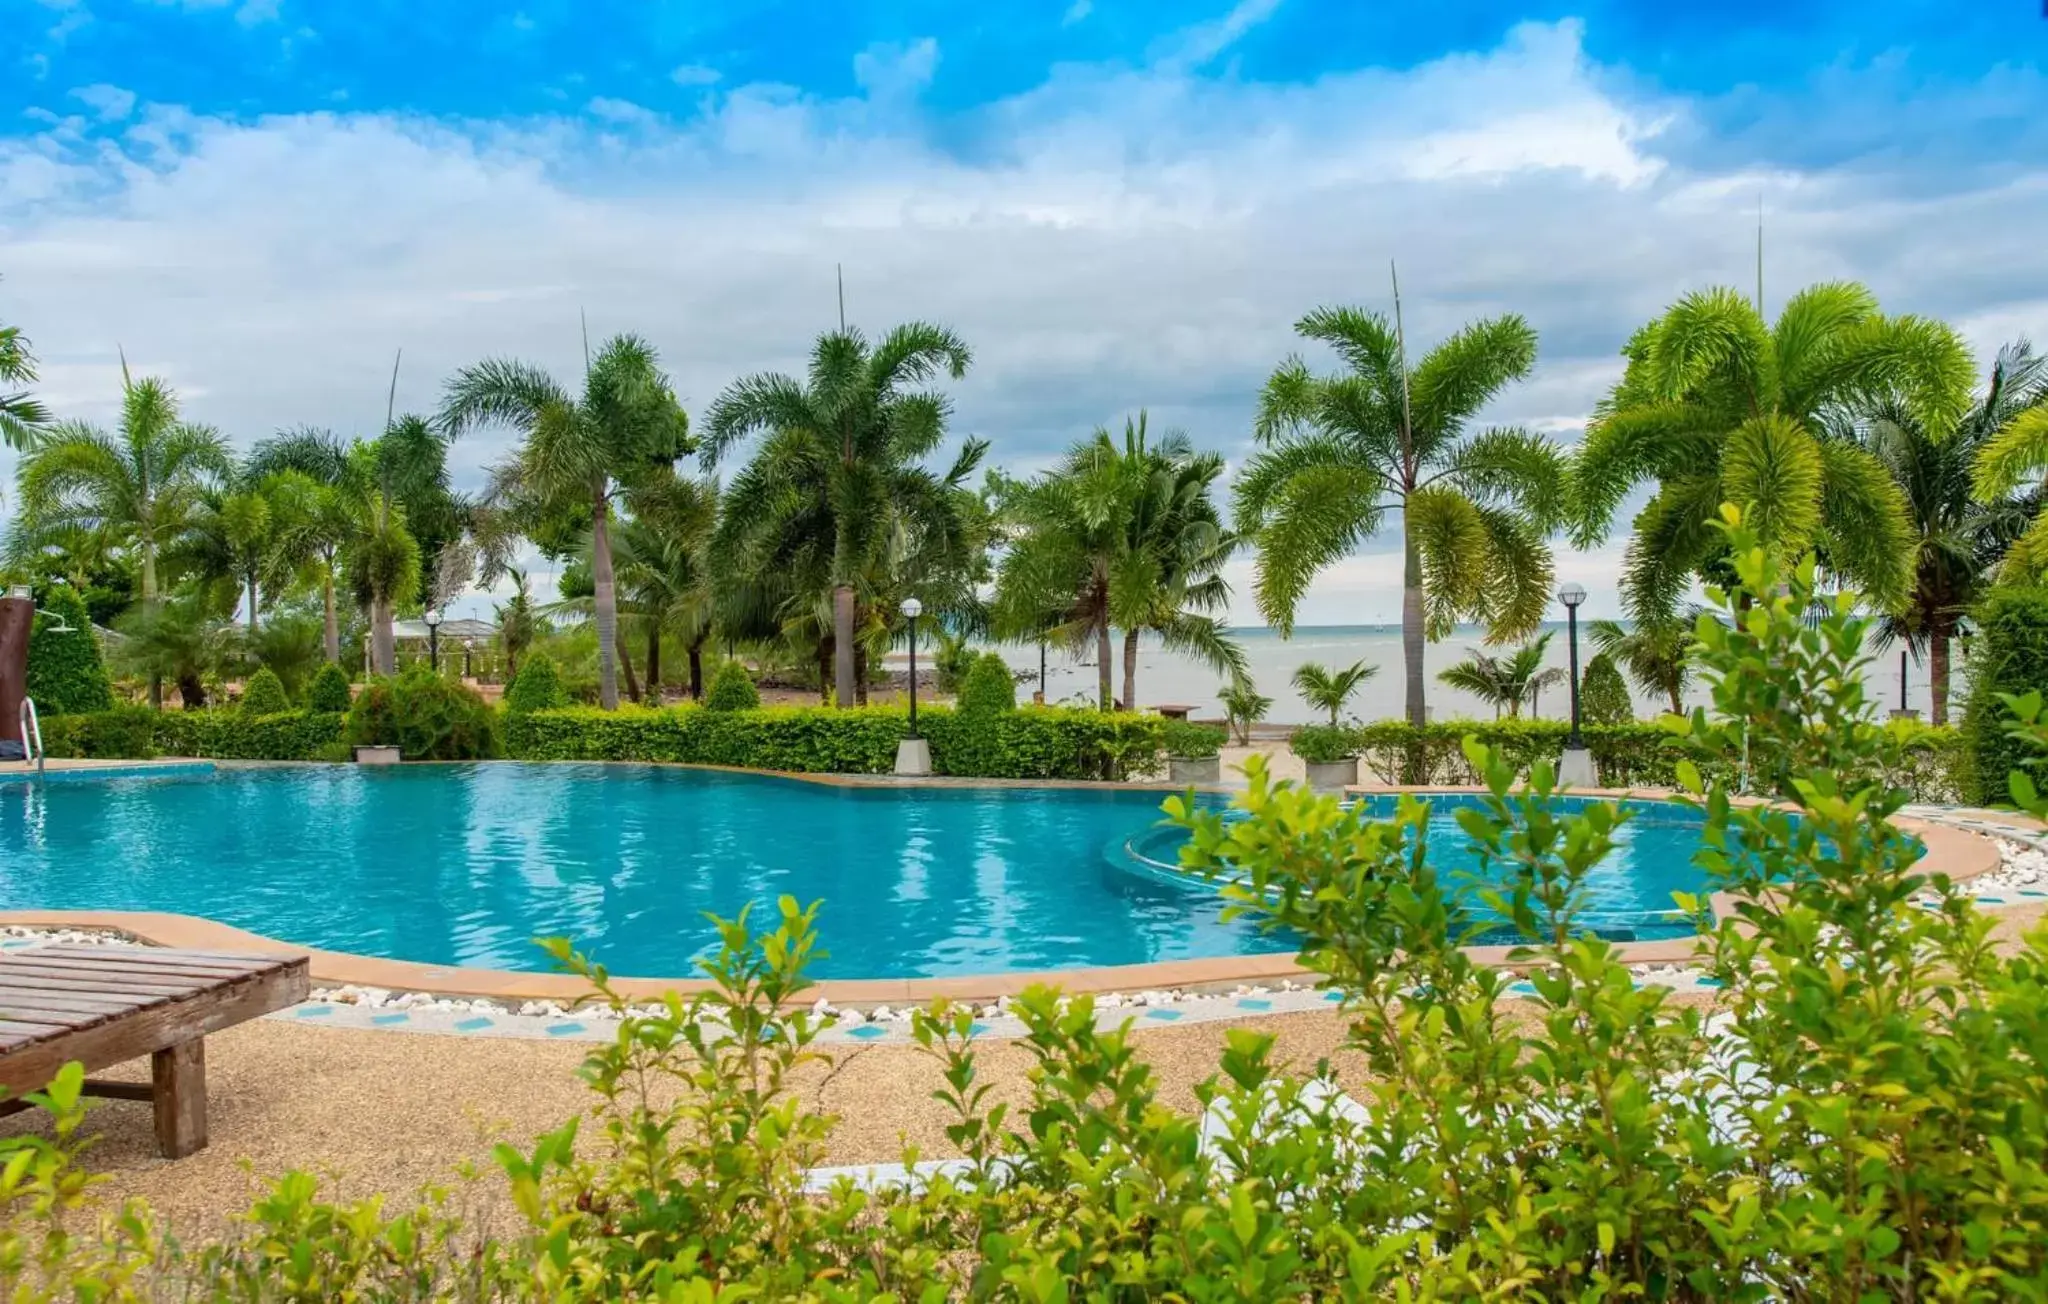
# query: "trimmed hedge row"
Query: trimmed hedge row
{"points": [[138, 733], [1030, 743], [1624, 756]]}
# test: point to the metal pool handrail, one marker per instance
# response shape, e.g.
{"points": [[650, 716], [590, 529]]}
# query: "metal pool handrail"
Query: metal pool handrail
{"points": [[31, 735]]}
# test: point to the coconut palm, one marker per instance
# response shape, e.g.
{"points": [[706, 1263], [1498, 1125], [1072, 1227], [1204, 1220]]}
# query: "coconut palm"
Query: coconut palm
{"points": [[2014, 455], [144, 484], [1329, 690], [1509, 681], [578, 451], [183, 637], [664, 570], [1339, 454], [312, 471], [1121, 536], [1716, 406], [20, 415], [1961, 538], [1243, 707], [1656, 653], [854, 432]]}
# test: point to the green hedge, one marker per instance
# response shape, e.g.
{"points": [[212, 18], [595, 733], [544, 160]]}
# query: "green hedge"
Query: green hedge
{"points": [[1029, 743], [138, 733], [1624, 756], [2010, 656], [65, 673]]}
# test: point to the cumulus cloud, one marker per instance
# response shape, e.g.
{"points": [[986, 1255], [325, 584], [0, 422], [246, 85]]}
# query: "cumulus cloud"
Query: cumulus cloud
{"points": [[1116, 238], [112, 103]]}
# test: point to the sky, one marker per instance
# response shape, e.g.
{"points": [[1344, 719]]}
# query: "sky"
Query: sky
{"points": [[1121, 204]]}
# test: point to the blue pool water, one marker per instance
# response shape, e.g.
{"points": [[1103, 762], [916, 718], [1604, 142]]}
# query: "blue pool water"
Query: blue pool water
{"points": [[467, 864]]}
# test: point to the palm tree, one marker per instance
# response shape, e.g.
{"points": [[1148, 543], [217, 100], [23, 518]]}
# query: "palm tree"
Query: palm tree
{"points": [[518, 624], [855, 431], [1328, 690], [145, 484], [1121, 536], [583, 451], [20, 416], [1243, 707], [1961, 538], [1656, 653], [1506, 681], [312, 472], [183, 638], [1339, 453], [1717, 407], [664, 570], [2016, 453]]}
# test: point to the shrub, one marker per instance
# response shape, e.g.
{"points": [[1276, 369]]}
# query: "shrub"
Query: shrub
{"points": [[123, 733], [2009, 656], [264, 694], [731, 689], [65, 673], [989, 686], [328, 691], [241, 735], [1185, 740], [1324, 744], [1603, 693], [537, 686], [426, 717]]}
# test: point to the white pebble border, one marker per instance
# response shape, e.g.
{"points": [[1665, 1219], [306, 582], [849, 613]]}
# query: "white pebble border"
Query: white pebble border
{"points": [[2021, 879]]}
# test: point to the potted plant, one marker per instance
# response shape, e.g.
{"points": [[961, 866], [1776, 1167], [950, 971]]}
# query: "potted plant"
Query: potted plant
{"points": [[1329, 752], [1193, 752]]}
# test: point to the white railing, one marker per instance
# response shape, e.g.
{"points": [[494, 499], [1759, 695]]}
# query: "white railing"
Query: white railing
{"points": [[31, 735]]}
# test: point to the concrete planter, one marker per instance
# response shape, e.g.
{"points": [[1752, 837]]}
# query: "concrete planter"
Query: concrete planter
{"points": [[1196, 769], [368, 755], [914, 758], [1333, 776]]}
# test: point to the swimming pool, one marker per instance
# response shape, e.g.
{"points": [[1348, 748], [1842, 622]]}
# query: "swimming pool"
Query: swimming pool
{"points": [[466, 864]]}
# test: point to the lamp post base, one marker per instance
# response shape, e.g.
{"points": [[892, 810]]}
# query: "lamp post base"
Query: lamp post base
{"points": [[1575, 769], [914, 758]]}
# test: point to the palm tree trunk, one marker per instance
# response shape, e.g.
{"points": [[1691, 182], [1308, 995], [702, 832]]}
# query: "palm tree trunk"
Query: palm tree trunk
{"points": [[330, 631], [1937, 676], [825, 661], [626, 664], [606, 594], [653, 662], [1102, 665], [697, 670], [1411, 621], [1130, 670], [842, 643], [156, 682], [252, 606], [383, 644], [860, 674]]}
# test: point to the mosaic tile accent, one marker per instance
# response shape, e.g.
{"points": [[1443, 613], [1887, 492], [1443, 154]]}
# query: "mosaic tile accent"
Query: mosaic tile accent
{"points": [[478, 1024], [1254, 1004], [867, 1032], [1166, 1016], [390, 1020], [564, 1029], [314, 1011]]}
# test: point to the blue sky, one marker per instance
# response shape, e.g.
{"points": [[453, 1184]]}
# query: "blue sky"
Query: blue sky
{"points": [[1121, 204]]}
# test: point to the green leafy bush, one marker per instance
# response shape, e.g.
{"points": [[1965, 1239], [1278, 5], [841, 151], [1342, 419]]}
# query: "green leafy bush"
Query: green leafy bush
{"points": [[2009, 657], [1324, 744], [124, 733], [264, 694], [328, 692], [239, 735], [426, 717], [1603, 693], [537, 686], [1185, 740], [65, 673], [989, 686], [1858, 1119], [731, 689]]}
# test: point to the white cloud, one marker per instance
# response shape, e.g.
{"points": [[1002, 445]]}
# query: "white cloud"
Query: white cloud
{"points": [[1120, 239], [112, 103], [1199, 44], [895, 72], [1076, 12], [694, 74]]}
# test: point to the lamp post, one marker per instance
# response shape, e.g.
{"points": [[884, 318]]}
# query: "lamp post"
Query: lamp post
{"points": [[912, 609], [468, 648], [433, 619], [913, 754], [1576, 767]]}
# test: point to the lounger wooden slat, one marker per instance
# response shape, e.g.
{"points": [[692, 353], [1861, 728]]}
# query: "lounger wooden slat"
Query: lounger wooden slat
{"points": [[233, 959], [107, 1005]]}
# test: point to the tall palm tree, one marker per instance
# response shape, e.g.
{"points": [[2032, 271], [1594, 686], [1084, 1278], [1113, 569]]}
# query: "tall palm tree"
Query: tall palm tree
{"points": [[20, 415], [1961, 538], [581, 450], [1339, 454], [1656, 653], [1121, 536], [518, 624], [1716, 406], [856, 428], [2015, 454], [145, 483], [665, 573], [1506, 681], [1328, 690], [311, 470]]}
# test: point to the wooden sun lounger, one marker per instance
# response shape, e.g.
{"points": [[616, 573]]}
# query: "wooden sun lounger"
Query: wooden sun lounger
{"points": [[105, 1005]]}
